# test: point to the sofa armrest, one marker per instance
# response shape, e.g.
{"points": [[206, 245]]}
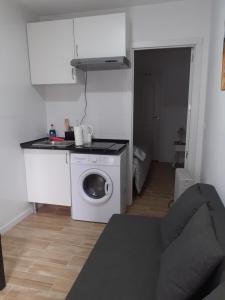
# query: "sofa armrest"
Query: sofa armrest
{"points": [[2, 273]]}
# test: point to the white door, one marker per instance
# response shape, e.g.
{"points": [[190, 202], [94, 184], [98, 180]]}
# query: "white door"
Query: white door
{"points": [[100, 36], [148, 94], [151, 94], [156, 117], [48, 176], [51, 49]]}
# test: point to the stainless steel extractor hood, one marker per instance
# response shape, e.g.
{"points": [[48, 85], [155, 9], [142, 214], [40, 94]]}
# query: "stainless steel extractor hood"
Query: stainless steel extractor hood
{"points": [[105, 63]]}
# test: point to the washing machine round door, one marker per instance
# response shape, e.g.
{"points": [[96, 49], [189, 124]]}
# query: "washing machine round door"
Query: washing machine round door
{"points": [[95, 186]]}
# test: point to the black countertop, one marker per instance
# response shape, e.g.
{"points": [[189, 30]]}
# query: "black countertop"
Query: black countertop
{"points": [[112, 147]]}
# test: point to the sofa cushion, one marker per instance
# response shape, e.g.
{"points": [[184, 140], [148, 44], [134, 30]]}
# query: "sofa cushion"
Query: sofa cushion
{"points": [[190, 259], [217, 294], [180, 213], [211, 197], [217, 212], [124, 264]]}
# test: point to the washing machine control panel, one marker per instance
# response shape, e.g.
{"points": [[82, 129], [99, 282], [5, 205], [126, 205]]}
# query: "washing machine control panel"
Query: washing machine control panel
{"points": [[86, 159], [93, 159]]}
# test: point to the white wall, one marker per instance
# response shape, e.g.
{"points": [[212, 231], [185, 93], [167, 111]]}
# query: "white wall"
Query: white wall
{"points": [[22, 111], [168, 76], [213, 171], [175, 20], [108, 97]]}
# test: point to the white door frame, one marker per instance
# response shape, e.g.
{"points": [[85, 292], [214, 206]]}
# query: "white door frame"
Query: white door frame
{"points": [[194, 161]]}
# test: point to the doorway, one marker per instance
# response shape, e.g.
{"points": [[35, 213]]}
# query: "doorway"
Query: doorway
{"points": [[162, 83]]}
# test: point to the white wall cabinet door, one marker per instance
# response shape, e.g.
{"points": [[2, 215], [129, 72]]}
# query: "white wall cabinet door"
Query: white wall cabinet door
{"points": [[51, 49], [100, 36], [48, 176]]}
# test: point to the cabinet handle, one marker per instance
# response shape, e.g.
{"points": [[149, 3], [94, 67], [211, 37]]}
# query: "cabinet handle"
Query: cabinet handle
{"points": [[67, 158], [77, 51]]}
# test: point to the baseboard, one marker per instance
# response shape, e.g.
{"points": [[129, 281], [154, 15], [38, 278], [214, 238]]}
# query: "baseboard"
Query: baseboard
{"points": [[16, 220]]}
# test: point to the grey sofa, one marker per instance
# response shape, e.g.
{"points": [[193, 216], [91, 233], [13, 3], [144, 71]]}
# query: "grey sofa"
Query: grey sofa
{"points": [[125, 262]]}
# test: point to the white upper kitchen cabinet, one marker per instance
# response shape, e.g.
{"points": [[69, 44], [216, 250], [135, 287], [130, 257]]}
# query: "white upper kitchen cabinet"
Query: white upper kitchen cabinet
{"points": [[48, 176], [51, 49], [100, 36]]}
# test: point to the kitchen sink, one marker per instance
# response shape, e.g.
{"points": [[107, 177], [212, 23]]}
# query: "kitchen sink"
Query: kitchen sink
{"points": [[50, 144]]}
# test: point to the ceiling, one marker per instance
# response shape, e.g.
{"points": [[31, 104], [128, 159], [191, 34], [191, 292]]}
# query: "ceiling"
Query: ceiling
{"points": [[54, 7]]}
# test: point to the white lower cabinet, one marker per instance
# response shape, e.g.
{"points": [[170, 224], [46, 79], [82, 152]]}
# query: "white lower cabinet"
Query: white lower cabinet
{"points": [[48, 176]]}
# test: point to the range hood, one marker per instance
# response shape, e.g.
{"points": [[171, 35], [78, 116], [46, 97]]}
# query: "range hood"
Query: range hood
{"points": [[104, 63]]}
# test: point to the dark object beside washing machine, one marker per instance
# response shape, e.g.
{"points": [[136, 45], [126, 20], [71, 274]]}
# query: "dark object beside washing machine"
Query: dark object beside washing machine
{"points": [[2, 273]]}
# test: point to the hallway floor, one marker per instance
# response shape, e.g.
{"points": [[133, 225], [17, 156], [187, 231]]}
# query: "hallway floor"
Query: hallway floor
{"points": [[157, 192]]}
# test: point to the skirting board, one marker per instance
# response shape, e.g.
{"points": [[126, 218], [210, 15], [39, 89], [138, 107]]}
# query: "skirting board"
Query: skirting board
{"points": [[16, 220]]}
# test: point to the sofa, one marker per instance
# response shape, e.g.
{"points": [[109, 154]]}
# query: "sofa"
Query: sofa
{"points": [[180, 256], [2, 274]]}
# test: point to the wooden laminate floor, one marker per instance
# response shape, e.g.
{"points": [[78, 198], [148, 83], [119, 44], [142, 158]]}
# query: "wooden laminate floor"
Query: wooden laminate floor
{"points": [[157, 192], [45, 252]]}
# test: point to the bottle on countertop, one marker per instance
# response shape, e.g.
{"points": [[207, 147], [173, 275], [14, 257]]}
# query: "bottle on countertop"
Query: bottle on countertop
{"points": [[52, 131]]}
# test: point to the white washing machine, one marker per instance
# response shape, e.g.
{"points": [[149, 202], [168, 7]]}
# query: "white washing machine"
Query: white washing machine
{"points": [[98, 186]]}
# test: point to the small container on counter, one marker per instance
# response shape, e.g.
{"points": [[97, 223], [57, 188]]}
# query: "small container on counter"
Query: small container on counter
{"points": [[52, 131]]}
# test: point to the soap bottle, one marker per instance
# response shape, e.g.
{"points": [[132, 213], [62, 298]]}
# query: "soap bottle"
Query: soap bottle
{"points": [[52, 132]]}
